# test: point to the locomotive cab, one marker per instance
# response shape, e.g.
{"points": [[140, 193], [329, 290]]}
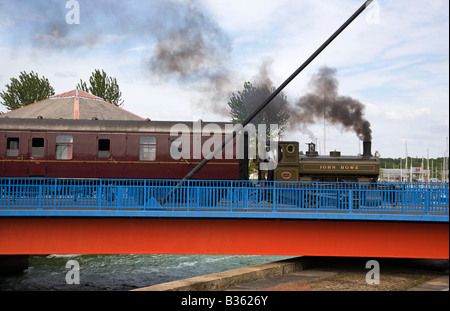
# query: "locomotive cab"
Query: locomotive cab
{"points": [[288, 160]]}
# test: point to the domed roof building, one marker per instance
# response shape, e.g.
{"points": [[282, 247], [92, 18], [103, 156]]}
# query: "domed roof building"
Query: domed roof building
{"points": [[74, 104]]}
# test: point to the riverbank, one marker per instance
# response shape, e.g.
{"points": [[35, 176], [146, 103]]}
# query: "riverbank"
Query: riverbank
{"points": [[320, 274]]}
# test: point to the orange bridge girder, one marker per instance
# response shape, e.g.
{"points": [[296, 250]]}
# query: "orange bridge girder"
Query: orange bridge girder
{"points": [[106, 235]]}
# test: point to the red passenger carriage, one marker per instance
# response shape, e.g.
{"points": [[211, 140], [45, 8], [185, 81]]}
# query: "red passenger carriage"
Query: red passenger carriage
{"points": [[106, 149]]}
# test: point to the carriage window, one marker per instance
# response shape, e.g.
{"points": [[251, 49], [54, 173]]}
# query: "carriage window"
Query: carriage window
{"points": [[64, 147], [104, 146], [147, 150], [37, 147], [12, 146]]}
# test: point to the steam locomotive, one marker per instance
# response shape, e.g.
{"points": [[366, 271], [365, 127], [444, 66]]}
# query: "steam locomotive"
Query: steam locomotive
{"points": [[333, 168], [143, 150]]}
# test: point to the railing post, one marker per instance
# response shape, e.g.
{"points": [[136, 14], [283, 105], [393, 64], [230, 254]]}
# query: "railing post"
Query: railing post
{"points": [[40, 196], [350, 199], [8, 189], [427, 200], [97, 192], [200, 200], [361, 197], [447, 199], [119, 198], [315, 197], [403, 195], [274, 196]]}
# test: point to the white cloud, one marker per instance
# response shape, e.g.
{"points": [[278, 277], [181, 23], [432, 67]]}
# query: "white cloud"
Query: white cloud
{"points": [[246, 15], [409, 115]]}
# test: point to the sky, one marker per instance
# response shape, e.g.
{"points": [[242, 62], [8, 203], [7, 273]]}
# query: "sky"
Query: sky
{"points": [[182, 59]]}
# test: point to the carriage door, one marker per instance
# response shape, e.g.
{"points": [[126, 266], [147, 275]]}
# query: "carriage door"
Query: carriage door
{"points": [[179, 157], [37, 151], [104, 158]]}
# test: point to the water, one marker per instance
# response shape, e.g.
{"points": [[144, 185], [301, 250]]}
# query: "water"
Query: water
{"points": [[121, 272]]}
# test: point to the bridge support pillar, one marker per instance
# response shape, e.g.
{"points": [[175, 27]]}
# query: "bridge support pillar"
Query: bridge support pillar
{"points": [[11, 264]]}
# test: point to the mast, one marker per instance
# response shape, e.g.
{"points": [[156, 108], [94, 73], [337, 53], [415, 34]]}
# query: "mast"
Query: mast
{"points": [[401, 171], [446, 162], [406, 164], [410, 172], [324, 133], [421, 171]]}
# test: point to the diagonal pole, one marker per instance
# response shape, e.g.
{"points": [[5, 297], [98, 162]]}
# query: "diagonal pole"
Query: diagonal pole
{"points": [[274, 94]]}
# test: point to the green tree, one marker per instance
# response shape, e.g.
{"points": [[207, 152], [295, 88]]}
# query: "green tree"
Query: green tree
{"points": [[246, 101], [103, 86], [25, 90]]}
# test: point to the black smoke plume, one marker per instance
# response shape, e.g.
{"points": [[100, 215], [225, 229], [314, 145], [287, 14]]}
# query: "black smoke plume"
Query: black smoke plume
{"points": [[325, 101], [192, 48], [188, 45]]}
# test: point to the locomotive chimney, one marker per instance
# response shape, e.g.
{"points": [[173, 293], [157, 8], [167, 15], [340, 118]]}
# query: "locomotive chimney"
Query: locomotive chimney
{"points": [[367, 146]]}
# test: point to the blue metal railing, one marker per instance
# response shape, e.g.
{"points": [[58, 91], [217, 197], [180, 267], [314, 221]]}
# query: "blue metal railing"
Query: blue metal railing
{"points": [[123, 197]]}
